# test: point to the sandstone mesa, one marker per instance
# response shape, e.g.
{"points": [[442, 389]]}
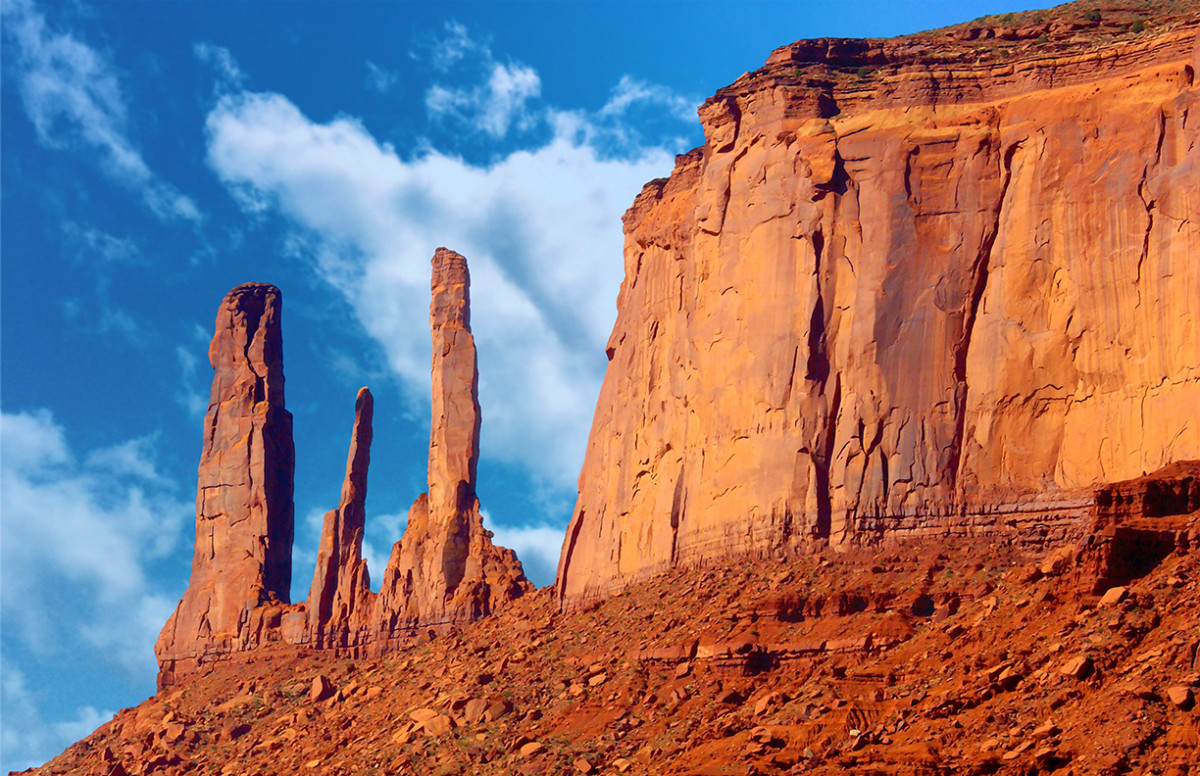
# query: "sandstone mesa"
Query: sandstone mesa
{"points": [[901, 294], [895, 467]]}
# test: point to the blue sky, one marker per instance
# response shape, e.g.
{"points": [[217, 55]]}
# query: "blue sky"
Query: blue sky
{"points": [[155, 155]]}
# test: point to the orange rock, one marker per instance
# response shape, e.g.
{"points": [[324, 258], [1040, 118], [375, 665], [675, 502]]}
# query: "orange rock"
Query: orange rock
{"points": [[244, 520], [340, 601], [445, 569], [915, 305]]}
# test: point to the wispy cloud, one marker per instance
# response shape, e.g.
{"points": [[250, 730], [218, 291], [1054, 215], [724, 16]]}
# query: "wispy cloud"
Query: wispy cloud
{"points": [[96, 247], [189, 395], [229, 76], [630, 92], [454, 46], [491, 97], [74, 99], [380, 79], [499, 103]]}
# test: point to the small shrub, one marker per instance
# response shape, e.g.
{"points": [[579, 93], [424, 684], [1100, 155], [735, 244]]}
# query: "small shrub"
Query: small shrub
{"points": [[1043, 38], [1138, 27], [1092, 16], [863, 72]]}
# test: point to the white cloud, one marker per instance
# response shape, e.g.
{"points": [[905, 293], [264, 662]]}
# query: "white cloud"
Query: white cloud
{"points": [[380, 79], [189, 395], [86, 529], [496, 105], [229, 76], [540, 228], [455, 46], [96, 246], [630, 92], [26, 740], [74, 99], [498, 101], [537, 546]]}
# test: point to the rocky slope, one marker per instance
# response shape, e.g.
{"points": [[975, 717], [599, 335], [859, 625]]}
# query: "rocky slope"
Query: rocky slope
{"points": [[889, 474], [937, 285], [444, 571], [929, 657]]}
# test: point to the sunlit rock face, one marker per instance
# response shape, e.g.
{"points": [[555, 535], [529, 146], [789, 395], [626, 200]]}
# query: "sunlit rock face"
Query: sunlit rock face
{"points": [[242, 565], [443, 573], [340, 597], [445, 569], [903, 289]]}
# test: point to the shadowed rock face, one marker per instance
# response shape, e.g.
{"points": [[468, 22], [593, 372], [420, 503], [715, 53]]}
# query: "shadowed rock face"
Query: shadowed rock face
{"points": [[244, 520], [445, 569], [340, 598], [899, 293]]}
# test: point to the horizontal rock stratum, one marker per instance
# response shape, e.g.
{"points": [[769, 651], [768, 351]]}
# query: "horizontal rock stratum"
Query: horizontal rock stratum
{"points": [[906, 287]]}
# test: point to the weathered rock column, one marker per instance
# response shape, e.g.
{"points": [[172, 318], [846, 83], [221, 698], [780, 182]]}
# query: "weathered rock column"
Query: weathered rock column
{"points": [[445, 569], [244, 511], [340, 595]]}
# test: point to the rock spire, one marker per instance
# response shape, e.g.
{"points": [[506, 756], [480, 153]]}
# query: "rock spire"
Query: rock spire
{"points": [[340, 596], [244, 520], [445, 569]]}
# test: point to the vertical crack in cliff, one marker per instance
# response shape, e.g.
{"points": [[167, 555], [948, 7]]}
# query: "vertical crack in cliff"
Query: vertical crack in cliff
{"points": [[817, 368], [1149, 204], [979, 277], [822, 460]]}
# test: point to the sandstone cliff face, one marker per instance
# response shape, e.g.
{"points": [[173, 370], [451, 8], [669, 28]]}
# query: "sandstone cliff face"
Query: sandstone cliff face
{"points": [[900, 293], [340, 596], [445, 569], [244, 520]]}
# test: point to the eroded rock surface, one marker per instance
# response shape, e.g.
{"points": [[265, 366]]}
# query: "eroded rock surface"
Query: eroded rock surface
{"points": [[903, 292], [1139, 522], [340, 599], [443, 573], [244, 521], [445, 569]]}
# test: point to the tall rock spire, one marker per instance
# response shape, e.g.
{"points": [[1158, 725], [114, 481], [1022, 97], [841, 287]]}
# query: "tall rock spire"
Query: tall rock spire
{"points": [[244, 512], [340, 595], [445, 569]]}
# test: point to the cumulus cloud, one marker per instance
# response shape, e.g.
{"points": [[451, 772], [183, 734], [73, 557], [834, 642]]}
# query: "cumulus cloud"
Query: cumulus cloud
{"points": [[500, 102], [540, 228], [90, 526], [74, 99]]}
